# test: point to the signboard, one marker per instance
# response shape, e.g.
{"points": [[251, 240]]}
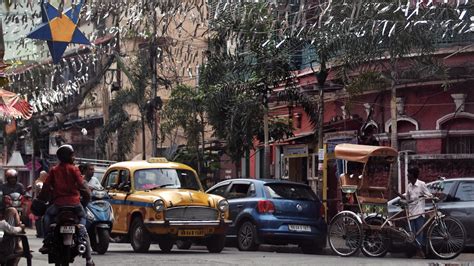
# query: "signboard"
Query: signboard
{"points": [[321, 154], [29, 146], [295, 151]]}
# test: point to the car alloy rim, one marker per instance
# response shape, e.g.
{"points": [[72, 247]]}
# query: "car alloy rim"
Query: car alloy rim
{"points": [[246, 236]]}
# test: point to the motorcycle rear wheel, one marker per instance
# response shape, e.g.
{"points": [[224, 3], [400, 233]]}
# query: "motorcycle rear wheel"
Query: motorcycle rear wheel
{"points": [[65, 258]]}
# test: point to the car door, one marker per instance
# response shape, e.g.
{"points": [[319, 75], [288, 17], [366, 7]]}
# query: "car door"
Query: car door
{"points": [[461, 206], [239, 196], [110, 183], [121, 197]]}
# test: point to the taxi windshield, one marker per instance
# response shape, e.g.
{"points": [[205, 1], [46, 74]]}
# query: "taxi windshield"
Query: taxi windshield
{"points": [[146, 179]]}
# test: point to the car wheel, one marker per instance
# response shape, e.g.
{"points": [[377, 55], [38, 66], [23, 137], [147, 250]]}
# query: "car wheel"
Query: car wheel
{"points": [[215, 243], [247, 237], [311, 248], [184, 244], [166, 244], [139, 236]]}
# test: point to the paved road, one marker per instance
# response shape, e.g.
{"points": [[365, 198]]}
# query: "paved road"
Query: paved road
{"points": [[122, 254]]}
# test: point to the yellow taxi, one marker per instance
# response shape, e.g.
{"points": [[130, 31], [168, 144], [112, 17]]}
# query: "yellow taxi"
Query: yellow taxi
{"points": [[163, 202]]}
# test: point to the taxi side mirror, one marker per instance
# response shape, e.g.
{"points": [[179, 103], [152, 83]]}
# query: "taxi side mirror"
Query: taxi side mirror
{"points": [[125, 188]]}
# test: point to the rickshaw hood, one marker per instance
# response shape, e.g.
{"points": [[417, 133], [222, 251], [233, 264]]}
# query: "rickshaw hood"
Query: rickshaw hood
{"points": [[362, 153]]}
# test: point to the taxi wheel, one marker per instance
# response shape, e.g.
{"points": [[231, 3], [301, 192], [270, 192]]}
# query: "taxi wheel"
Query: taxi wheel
{"points": [[139, 236], [247, 237], [166, 244], [215, 243]]}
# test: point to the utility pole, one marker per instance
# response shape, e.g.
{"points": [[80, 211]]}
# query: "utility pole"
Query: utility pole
{"points": [[266, 148], [321, 76], [154, 85]]}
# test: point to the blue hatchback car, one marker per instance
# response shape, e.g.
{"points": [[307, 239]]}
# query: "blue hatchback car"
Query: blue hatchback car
{"points": [[273, 212]]}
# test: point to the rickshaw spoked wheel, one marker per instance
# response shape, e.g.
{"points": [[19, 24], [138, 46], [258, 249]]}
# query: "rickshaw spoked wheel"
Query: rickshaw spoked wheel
{"points": [[345, 234], [374, 243]]}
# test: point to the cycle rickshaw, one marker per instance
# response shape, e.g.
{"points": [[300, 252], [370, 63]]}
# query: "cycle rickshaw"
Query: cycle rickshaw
{"points": [[364, 223]]}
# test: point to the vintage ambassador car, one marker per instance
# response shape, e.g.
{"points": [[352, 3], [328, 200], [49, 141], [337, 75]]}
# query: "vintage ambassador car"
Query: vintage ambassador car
{"points": [[161, 201]]}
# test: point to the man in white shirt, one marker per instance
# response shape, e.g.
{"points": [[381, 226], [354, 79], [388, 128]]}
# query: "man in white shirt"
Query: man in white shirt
{"points": [[416, 207], [87, 170]]}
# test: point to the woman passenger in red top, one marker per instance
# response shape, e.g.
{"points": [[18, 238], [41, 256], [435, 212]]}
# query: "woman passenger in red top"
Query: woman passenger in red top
{"points": [[65, 186]]}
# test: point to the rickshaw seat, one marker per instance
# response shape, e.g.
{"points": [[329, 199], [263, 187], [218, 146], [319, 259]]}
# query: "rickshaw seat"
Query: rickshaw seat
{"points": [[363, 200]]}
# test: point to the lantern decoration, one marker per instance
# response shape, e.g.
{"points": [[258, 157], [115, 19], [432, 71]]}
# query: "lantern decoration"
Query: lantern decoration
{"points": [[59, 29]]}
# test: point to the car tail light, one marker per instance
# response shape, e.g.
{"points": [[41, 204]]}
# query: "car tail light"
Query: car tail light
{"points": [[265, 206], [322, 210]]}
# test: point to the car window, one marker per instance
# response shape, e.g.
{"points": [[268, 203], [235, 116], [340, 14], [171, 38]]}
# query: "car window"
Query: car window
{"points": [[124, 179], [251, 192], [220, 190], [146, 179], [238, 191], [465, 192], [111, 179], [441, 189], [290, 191]]}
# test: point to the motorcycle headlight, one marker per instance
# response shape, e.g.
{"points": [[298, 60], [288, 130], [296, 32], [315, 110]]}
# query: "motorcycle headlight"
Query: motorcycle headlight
{"points": [[98, 194], [223, 205], [159, 205], [89, 214]]}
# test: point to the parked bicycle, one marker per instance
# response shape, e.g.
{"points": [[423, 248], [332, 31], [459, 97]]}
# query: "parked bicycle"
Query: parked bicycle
{"points": [[364, 224]]}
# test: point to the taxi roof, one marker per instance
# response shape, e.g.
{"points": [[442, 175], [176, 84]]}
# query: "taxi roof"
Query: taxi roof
{"points": [[362, 153], [135, 165]]}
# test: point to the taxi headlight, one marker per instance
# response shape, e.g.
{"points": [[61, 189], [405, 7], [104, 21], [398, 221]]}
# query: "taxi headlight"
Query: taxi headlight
{"points": [[159, 205], [223, 205]]}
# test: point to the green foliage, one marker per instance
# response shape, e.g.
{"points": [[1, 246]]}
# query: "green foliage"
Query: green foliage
{"points": [[184, 110], [239, 80], [235, 116], [385, 46], [137, 95]]}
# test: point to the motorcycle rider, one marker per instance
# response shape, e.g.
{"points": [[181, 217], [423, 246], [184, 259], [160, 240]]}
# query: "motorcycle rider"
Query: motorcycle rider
{"points": [[87, 170], [37, 189], [12, 185], [66, 185], [11, 225]]}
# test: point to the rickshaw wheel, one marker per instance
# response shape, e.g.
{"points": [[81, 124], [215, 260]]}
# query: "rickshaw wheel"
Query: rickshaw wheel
{"points": [[345, 234], [374, 244], [446, 238]]}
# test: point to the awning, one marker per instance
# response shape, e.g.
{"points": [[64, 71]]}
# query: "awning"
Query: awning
{"points": [[362, 153], [296, 137]]}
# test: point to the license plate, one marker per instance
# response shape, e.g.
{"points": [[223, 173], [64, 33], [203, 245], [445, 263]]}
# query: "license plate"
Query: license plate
{"points": [[67, 229], [299, 228], [191, 232]]}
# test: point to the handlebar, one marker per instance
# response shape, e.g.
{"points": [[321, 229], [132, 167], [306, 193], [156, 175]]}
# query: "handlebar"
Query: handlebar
{"points": [[404, 203]]}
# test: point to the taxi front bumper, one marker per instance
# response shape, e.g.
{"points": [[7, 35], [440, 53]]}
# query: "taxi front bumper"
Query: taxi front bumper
{"points": [[172, 227]]}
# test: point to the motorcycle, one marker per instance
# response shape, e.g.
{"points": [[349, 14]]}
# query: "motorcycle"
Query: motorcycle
{"points": [[99, 221], [20, 202], [15, 200], [67, 240]]}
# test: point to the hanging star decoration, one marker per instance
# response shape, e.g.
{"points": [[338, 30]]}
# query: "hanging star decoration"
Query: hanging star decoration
{"points": [[59, 29]]}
